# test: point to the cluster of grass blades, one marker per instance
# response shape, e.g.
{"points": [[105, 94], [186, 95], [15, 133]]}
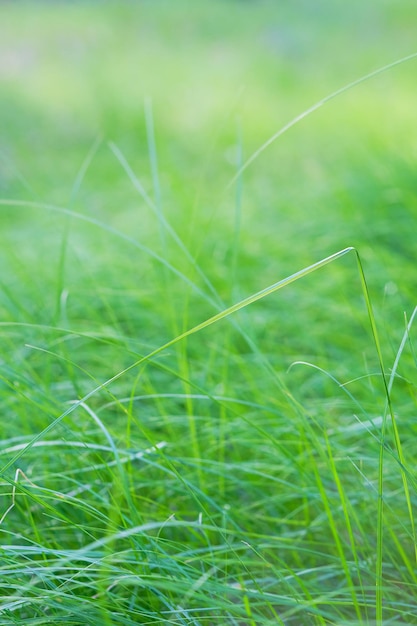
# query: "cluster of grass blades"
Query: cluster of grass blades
{"points": [[194, 487], [102, 552]]}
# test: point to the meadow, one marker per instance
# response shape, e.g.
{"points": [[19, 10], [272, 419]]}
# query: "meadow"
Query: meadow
{"points": [[207, 294]]}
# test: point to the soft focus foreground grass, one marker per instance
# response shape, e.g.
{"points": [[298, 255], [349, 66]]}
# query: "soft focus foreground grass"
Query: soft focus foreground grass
{"points": [[212, 484]]}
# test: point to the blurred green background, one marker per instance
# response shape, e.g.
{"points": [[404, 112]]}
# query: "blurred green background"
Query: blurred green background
{"points": [[187, 92]]}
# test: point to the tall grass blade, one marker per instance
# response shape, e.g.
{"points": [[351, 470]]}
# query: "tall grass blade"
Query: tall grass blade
{"points": [[316, 106]]}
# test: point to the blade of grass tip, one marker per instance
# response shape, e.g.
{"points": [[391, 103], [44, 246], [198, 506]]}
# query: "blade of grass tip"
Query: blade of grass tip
{"points": [[316, 106], [208, 322], [401, 349]]}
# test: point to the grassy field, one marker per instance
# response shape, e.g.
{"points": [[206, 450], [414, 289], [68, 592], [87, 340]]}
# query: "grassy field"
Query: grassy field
{"points": [[167, 457]]}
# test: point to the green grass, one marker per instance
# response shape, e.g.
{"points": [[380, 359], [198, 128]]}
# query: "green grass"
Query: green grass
{"points": [[180, 442]]}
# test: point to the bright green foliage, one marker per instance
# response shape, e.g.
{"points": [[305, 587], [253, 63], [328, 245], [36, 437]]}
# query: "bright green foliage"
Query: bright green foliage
{"points": [[180, 443]]}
